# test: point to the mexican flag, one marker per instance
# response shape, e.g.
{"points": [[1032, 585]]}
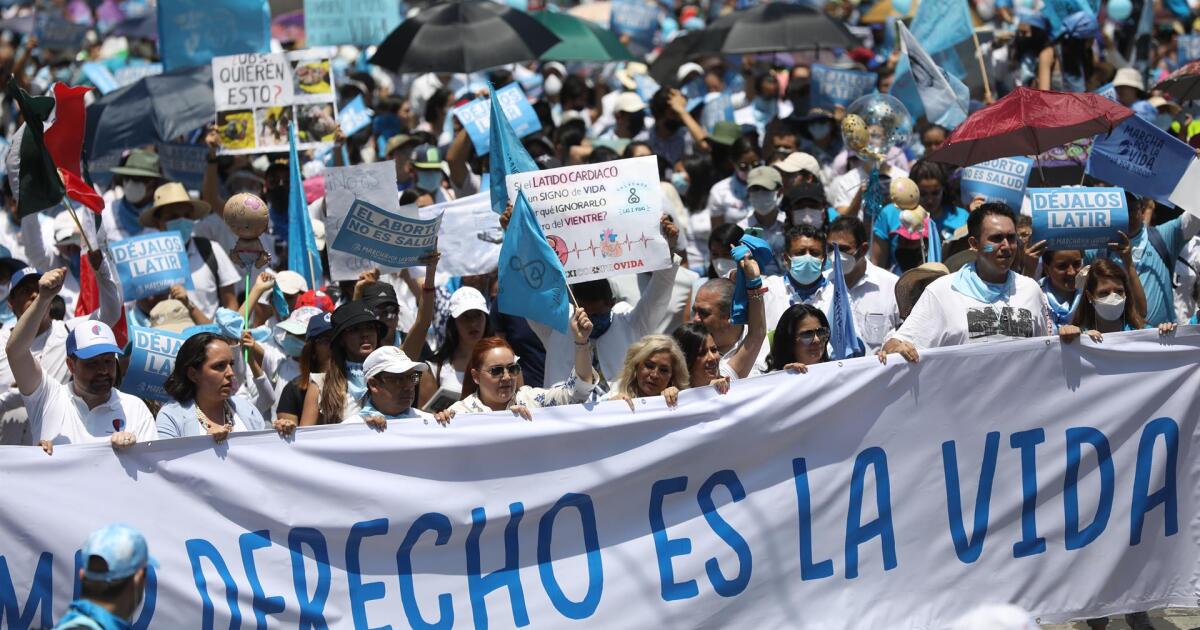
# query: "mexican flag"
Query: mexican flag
{"points": [[49, 149]]}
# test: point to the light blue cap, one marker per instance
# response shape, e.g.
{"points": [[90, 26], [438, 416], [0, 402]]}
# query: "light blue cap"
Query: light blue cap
{"points": [[123, 550]]}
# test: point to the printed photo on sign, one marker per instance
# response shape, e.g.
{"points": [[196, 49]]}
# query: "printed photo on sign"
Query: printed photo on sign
{"points": [[236, 129], [272, 124], [317, 123], [990, 323], [273, 89], [1078, 218]]}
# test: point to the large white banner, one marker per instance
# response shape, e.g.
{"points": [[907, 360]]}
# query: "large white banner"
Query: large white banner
{"points": [[854, 496]]}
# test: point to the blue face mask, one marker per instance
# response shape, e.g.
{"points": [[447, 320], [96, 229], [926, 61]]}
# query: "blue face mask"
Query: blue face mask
{"points": [[806, 269], [183, 226], [819, 131], [291, 345], [429, 180], [600, 324], [680, 182], [765, 109]]}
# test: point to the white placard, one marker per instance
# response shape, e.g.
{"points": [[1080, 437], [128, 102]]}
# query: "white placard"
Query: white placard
{"points": [[374, 183]]}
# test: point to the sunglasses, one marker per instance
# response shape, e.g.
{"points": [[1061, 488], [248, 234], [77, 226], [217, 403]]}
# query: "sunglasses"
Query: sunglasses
{"points": [[497, 371], [745, 166], [809, 336]]}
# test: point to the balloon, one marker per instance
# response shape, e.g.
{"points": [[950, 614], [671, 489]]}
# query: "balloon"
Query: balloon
{"points": [[888, 124], [854, 132], [247, 217], [1119, 10], [902, 6], [904, 193]]}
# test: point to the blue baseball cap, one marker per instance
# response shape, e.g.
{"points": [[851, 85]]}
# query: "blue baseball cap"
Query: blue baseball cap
{"points": [[20, 275], [319, 325], [91, 339], [123, 550]]}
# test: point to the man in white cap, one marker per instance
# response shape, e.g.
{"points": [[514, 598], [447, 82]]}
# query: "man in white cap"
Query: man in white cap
{"points": [[798, 168], [88, 409], [629, 119], [764, 184], [392, 380]]}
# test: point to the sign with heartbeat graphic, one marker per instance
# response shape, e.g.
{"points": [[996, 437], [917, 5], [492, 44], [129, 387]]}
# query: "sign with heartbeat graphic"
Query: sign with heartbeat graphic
{"points": [[601, 219]]}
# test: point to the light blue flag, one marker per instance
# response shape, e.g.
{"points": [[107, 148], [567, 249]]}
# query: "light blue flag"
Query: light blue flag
{"points": [[192, 32], [532, 282], [509, 156], [843, 335], [944, 99], [934, 252], [302, 244], [944, 29], [1140, 54]]}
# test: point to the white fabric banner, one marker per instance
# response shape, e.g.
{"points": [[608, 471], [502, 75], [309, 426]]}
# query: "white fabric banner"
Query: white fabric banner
{"points": [[854, 496]]}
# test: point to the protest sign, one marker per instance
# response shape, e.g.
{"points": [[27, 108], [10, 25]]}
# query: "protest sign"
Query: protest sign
{"points": [[639, 20], [717, 107], [126, 75], [1140, 158], [859, 500], [1077, 217], [192, 32], [374, 183], [151, 359], [349, 22], [150, 264], [476, 116], [1108, 91], [601, 219], [470, 236], [1001, 180], [183, 163], [55, 32], [100, 76], [388, 238], [258, 95], [354, 116], [836, 86], [1187, 47]]}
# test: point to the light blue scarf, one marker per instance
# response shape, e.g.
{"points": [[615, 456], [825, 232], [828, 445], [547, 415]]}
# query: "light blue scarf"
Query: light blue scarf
{"points": [[356, 383], [968, 283], [1061, 311]]}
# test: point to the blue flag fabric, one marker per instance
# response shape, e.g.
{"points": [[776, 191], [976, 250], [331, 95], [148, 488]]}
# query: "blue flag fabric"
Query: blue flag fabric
{"points": [[508, 154], [761, 250], [532, 282], [1140, 158], [934, 251], [192, 32], [302, 244], [843, 334], [944, 98]]}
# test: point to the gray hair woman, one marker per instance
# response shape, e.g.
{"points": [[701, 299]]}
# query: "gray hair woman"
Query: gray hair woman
{"points": [[654, 365]]}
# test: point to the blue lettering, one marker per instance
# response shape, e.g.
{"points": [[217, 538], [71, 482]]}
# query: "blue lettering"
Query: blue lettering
{"points": [[198, 548], [856, 533], [1076, 437], [508, 576], [361, 593], [312, 610], [263, 605], [665, 547], [1030, 544], [440, 524], [40, 595], [968, 549], [808, 570], [1166, 496], [591, 543], [724, 587]]}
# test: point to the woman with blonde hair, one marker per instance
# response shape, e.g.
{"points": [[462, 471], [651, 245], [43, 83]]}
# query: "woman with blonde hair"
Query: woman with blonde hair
{"points": [[654, 365]]}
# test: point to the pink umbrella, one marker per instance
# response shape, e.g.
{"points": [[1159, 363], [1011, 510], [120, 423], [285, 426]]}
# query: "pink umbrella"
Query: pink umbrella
{"points": [[288, 27]]}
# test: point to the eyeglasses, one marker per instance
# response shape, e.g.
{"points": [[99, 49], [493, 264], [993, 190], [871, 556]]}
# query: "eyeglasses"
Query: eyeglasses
{"points": [[497, 371], [809, 336], [401, 380]]}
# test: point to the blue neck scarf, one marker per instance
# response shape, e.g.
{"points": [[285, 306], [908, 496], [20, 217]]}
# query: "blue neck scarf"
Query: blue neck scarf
{"points": [[356, 383], [800, 293], [369, 410], [968, 283], [1059, 310], [127, 218], [739, 188], [82, 608]]}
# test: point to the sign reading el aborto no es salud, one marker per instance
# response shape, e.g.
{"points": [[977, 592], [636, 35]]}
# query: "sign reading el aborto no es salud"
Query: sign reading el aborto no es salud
{"points": [[601, 219]]}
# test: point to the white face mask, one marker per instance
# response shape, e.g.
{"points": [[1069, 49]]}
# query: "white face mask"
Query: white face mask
{"points": [[552, 85], [1110, 307], [135, 192], [764, 201], [807, 216], [723, 266], [848, 262]]}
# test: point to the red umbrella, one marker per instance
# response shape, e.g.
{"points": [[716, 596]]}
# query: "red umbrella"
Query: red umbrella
{"points": [[1183, 84], [1028, 122]]}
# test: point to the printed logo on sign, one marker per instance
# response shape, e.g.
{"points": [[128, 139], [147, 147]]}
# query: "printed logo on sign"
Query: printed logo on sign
{"points": [[1138, 151], [634, 194]]}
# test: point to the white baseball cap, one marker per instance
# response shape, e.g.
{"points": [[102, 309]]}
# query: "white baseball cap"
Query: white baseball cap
{"points": [[90, 339], [798, 161], [687, 69], [392, 360], [630, 103], [467, 299], [65, 232], [290, 282], [297, 322]]}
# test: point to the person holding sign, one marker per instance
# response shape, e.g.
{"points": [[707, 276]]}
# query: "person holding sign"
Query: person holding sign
{"points": [[88, 410]]}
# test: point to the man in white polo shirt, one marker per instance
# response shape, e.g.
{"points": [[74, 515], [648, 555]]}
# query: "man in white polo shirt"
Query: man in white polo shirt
{"points": [[89, 408]]}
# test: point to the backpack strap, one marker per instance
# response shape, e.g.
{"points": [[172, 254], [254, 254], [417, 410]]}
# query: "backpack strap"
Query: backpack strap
{"points": [[205, 247]]}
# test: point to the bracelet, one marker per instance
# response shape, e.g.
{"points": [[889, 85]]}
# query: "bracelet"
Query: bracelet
{"points": [[754, 283], [584, 343]]}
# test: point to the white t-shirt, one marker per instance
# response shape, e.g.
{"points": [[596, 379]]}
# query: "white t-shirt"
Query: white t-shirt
{"points": [[945, 317], [841, 192], [58, 415], [204, 286], [724, 204], [873, 300]]}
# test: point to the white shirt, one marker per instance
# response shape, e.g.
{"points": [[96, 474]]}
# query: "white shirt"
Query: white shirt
{"points": [[945, 317], [760, 363], [873, 300], [204, 287], [1187, 268], [58, 415], [723, 204], [844, 187]]}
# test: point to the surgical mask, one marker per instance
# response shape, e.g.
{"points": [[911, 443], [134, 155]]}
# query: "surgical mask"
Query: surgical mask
{"points": [[764, 201], [135, 192], [552, 85], [808, 216], [183, 226], [600, 324], [1110, 307], [1163, 121], [848, 262], [429, 180], [820, 131], [806, 269], [291, 345], [723, 266], [680, 182]]}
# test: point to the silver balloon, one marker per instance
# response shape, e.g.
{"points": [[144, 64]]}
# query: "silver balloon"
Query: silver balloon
{"points": [[887, 121]]}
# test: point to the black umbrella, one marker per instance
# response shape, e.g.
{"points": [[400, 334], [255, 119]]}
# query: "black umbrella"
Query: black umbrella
{"points": [[463, 36], [674, 54], [154, 109], [143, 27], [772, 27]]}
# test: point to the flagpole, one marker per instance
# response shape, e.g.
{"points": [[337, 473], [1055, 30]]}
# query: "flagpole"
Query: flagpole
{"points": [[75, 217], [987, 88]]}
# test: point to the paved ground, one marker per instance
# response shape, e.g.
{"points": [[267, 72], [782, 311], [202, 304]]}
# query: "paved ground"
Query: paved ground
{"points": [[1168, 619]]}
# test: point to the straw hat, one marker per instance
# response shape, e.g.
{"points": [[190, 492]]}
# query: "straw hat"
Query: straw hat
{"points": [[913, 282], [170, 194]]}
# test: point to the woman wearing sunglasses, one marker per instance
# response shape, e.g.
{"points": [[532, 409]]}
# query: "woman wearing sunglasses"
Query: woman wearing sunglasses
{"points": [[493, 378], [801, 339]]}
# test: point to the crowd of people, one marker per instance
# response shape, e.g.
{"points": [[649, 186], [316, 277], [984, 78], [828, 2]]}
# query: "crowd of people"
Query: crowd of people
{"points": [[759, 205]]}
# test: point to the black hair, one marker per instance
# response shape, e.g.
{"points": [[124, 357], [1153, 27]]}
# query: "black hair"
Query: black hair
{"points": [[628, 152], [728, 235], [701, 177], [691, 337], [975, 220], [925, 169], [593, 290], [659, 103], [569, 134], [100, 590], [761, 79], [436, 104], [602, 154], [192, 354], [783, 342], [803, 230], [853, 225], [445, 352], [573, 87]]}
